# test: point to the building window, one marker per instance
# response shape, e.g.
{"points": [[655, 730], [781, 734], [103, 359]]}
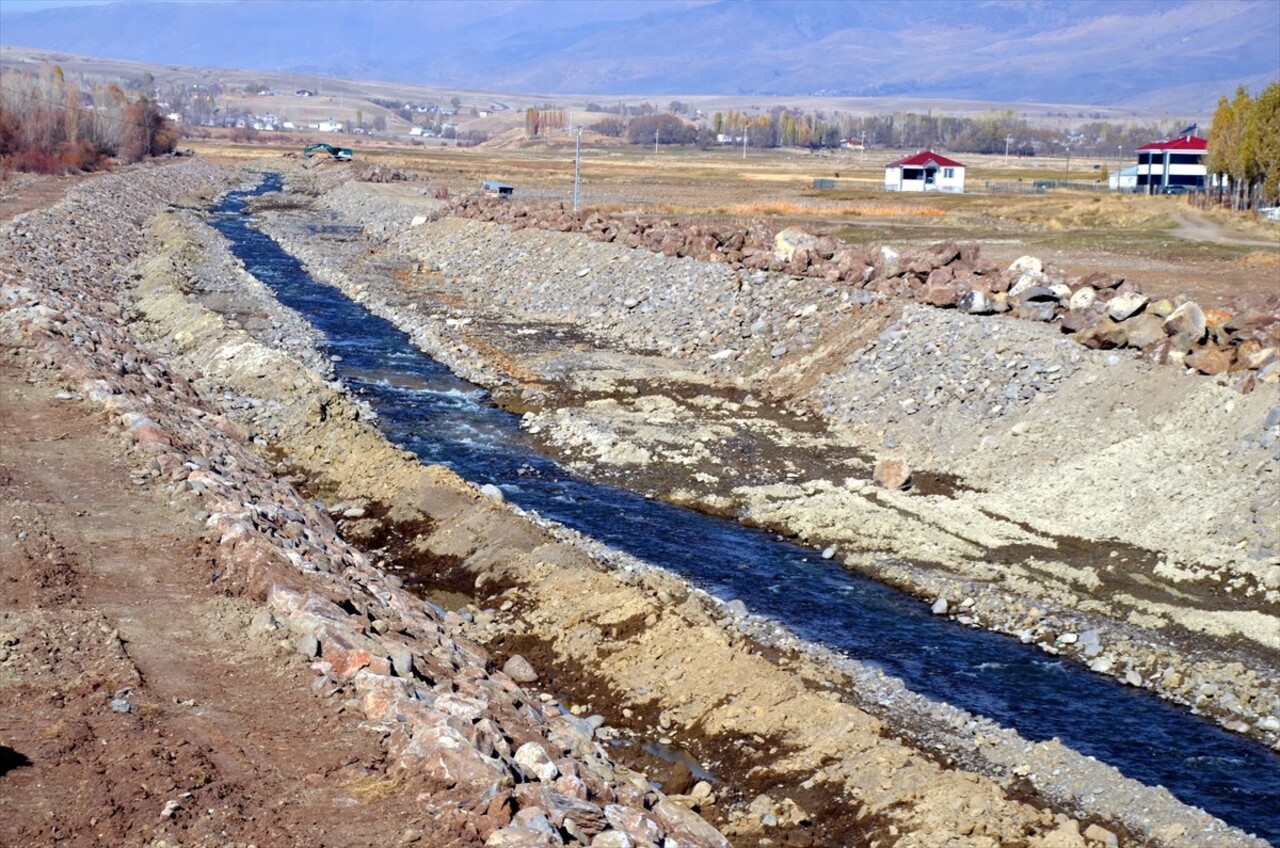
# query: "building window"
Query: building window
{"points": [[948, 173], [913, 173]]}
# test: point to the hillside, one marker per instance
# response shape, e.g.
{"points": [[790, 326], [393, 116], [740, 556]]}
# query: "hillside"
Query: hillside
{"points": [[1138, 54]]}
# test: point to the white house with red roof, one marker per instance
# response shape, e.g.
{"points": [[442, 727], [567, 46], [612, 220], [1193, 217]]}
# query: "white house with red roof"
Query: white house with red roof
{"points": [[1173, 162], [925, 171]]}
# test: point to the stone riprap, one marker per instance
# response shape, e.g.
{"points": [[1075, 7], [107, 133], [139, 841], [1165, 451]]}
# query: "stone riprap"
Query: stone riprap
{"points": [[76, 279], [1037, 428]]}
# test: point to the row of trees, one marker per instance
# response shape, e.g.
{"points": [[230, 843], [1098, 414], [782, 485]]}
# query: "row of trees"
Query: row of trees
{"points": [[49, 124], [1244, 146], [991, 133], [543, 122]]}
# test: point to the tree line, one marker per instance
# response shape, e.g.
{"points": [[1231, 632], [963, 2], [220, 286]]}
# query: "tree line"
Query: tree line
{"points": [[995, 132], [52, 125], [1244, 147]]}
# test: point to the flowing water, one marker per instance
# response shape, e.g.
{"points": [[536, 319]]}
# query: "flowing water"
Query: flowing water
{"points": [[445, 420]]}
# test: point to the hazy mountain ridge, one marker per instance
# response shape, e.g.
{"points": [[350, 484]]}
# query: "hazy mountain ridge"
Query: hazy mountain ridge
{"points": [[1088, 51]]}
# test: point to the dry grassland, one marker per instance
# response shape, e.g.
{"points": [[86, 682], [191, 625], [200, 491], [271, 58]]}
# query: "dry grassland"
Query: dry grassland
{"points": [[1161, 240]]}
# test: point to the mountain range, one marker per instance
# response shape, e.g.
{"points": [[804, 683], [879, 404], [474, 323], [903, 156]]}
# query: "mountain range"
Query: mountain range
{"points": [[1142, 53]]}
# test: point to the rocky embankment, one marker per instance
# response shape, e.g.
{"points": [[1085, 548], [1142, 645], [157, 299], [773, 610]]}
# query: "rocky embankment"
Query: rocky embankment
{"points": [[225, 404], [1100, 311], [1097, 503], [493, 762], [796, 761]]}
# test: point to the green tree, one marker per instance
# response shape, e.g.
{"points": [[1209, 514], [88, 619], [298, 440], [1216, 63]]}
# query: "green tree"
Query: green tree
{"points": [[1262, 135], [1228, 148]]}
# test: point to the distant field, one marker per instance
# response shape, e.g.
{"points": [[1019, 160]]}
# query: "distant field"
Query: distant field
{"points": [[720, 185]]}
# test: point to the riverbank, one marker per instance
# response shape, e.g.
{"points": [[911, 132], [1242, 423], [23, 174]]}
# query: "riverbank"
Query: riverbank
{"points": [[574, 612], [225, 409], [1170, 588]]}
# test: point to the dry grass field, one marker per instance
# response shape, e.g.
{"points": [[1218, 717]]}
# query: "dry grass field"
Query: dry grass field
{"points": [[1163, 242]]}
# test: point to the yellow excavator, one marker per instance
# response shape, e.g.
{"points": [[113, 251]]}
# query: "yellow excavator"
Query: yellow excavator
{"points": [[341, 154]]}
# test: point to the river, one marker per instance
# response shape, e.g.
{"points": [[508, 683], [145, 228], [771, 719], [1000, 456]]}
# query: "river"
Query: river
{"points": [[445, 420]]}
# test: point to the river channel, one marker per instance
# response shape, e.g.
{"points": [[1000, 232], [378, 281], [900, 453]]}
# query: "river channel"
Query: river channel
{"points": [[445, 420]]}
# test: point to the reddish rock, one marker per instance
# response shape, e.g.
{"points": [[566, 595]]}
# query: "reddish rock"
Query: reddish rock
{"points": [[1210, 361], [892, 473], [940, 295], [1103, 281], [520, 670], [590, 818], [939, 276], [1082, 319], [636, 824], [442, 755], [944, 253], [1104, 335], [1252, 354], [687, 827]]}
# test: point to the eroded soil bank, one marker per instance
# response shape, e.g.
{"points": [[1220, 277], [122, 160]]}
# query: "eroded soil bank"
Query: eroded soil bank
{"points": [[226, 408]]}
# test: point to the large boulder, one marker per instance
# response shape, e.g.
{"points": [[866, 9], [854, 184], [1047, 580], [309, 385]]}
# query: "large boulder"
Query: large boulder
{"points": [[1210, 360], [975, 302], [787, 242], [1187, 322], [1035, 303], [1125, 305], [1144, 331], [1077, 320], [892, 473]]}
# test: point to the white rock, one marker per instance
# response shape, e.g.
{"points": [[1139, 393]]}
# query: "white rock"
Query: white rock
{"points": [[1024, 282], [533, 758], [1027, 263], [1082, 298], [1125, 305], [940, 607]]}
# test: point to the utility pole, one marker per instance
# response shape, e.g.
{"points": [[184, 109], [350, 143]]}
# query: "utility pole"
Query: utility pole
{"points": [[577, 169], [744, 144], [1007, 140], [655, 140], [1068, 180]]}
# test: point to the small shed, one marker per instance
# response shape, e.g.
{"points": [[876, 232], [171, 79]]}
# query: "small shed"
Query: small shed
{"points": [[925, 171], [1126, 179], [493, 188]]}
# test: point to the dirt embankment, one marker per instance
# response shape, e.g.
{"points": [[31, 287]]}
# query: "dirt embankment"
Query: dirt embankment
{"points": [[1060, 490], [191, 652], [220, 410], [797, 761]]}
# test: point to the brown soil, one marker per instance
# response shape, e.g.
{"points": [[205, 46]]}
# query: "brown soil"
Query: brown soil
{"points": [[131, 685]]}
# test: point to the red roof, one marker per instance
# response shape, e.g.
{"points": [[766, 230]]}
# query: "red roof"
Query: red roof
{"points": [[1186, 142], [924, 157]]}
